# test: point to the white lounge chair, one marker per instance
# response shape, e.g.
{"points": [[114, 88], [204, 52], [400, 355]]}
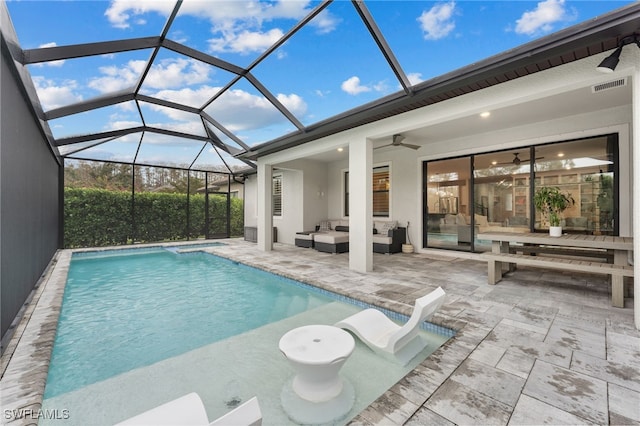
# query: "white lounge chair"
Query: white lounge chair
{"points": [[189, 410], [386, 337]]}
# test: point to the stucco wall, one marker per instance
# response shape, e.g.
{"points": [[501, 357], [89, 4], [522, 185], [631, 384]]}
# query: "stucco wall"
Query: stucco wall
{"points": [[304, 180], [29, 201]]}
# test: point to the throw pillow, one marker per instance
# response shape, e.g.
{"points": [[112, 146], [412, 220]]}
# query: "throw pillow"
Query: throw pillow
{"points": [[481, 220], [387, 226], [325, 225]]}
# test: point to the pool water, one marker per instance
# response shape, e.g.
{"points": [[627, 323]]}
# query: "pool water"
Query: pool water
{"points": [[136, 331], [125, 312]]}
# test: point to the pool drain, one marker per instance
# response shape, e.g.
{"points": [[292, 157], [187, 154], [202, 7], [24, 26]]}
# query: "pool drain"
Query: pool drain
{"points": [[233, 402]]}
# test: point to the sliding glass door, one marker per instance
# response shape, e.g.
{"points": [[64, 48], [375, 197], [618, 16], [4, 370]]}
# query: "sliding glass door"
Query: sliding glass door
{"points": [[492, 192], [501, 193], [446, 210]]}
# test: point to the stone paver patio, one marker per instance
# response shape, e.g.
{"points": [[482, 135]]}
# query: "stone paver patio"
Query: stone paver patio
{"points": [[541, 347]]}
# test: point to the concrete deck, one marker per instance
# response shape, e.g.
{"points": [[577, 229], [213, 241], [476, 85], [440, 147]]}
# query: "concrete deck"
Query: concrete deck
{"points": [[541, 347]]}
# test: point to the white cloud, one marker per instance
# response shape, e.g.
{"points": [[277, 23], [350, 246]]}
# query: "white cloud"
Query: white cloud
{"points": [[325, 22], [245, 42], [542, 18], [54, 95], [353, 87], [114, 78], [188, 96], [415, 78], [193, 127], [293, 103], [177, 73], [165, 74], [237, 25], [50, 63], [121, 124], [234, 106], [120, 11], [381, 86], [437, 22], [321, 94]]}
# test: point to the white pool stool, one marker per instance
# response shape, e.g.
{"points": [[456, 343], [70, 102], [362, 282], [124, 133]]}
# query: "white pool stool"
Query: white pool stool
{"points": [[317, 393]]}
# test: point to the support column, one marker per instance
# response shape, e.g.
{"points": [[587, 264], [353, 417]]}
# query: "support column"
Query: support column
{"points": [[635, 184], [265, 206], [361, 205]]}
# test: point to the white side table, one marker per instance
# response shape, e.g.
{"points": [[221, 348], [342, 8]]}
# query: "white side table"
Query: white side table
{"points": [[317, 394], [317, 352]]}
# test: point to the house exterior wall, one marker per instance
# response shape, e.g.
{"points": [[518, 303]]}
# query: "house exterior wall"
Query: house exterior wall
{"points": [[406, 164], [29, 198], [304, 180]]}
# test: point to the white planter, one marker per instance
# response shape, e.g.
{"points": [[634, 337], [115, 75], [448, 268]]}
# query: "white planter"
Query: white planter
{"points": [[407, 248], [555, 231]]}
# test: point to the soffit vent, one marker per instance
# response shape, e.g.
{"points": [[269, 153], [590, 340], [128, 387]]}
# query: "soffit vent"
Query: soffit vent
{"points": [[609, 85]]}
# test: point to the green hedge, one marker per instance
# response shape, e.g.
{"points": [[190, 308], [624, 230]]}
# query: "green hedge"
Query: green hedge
{"points": [[99, 217]]}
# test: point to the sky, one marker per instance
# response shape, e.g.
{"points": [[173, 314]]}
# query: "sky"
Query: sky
{"points": [[331, 65]]}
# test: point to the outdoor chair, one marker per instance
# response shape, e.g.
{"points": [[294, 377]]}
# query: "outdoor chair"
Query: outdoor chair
{"points": [[386, 337], [189, 410]]}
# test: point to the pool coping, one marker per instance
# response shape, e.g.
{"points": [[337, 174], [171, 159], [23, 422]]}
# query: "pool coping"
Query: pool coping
{"points": [[24, 364]]}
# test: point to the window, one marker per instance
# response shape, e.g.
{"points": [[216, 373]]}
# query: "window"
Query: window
{"points": [[277, 195], [498, 195], [381, 186]]}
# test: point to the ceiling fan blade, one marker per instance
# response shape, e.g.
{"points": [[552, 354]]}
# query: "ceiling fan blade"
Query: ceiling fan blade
{"points": [[528, 159], [383, 146], [408, 145]]}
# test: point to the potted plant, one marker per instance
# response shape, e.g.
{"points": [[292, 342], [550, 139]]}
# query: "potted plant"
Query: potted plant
{"points": [[550, 202]]}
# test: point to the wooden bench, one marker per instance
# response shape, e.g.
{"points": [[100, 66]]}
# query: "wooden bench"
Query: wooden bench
{"points": [[617, 272], [605, 255]]}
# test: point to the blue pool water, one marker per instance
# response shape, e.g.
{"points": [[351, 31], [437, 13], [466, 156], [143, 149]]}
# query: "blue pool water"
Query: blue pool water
{"points": [[140, 327], [122, 311]]}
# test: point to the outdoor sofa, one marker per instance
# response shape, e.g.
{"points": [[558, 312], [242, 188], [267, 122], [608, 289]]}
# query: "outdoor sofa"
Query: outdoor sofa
{"points": [[332, 236]]}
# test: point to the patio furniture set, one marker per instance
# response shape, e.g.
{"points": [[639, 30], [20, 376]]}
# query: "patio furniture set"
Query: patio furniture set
{"points": [[332, 236]]}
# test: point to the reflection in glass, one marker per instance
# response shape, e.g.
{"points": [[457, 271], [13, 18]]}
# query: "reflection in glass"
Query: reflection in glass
{"points": [[501, 194], [447, 195], [584, 171]]}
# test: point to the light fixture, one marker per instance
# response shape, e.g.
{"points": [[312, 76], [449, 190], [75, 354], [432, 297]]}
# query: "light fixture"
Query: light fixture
{"points": [[485, 114], [340, 149], [610, 62], [608, 65]]}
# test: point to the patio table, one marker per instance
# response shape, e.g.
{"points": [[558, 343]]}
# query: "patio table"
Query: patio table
{"points": [[620, 246]]}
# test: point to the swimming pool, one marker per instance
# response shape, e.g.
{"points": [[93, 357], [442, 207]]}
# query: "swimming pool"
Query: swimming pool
{"points": [[138, 328]]}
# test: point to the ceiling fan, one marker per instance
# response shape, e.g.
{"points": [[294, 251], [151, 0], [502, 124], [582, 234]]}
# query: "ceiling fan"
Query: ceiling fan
{"points": [[517, 160], [397, 141]]}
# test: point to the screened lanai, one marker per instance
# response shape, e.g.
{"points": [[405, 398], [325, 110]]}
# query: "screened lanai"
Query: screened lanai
{"points": [[295, 107], [192, 84], [211, 88]]}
